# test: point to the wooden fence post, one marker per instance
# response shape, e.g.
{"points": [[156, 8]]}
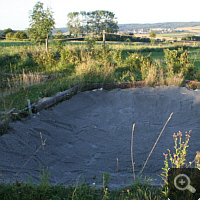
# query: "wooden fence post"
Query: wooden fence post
{"points": [[104, 38], [47, 44]]}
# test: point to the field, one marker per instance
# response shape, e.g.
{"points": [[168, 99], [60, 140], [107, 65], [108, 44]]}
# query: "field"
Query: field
{"points": [[178, 33], [29, 73]]}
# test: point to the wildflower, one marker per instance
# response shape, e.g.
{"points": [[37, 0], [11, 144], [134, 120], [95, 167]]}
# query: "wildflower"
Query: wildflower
{"points": [[188, 136], [128, 191], [165, 154], [198, 157]]}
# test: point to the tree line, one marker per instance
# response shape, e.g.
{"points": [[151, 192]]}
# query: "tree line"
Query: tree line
{"points": [[10, 34], [191, 38], [42, 23], [95, 21]]}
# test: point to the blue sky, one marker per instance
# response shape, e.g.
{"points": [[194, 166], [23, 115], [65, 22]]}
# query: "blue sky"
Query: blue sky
{"points": [[14, 13]]}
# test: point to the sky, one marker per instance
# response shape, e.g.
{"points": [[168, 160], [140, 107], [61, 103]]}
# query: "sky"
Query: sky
{"points": [[14, 14]]}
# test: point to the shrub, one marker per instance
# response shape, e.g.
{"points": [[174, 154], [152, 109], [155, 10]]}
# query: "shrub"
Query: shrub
{"points": [[178, 62], [139, 65], [72, 57], [45, 60]]}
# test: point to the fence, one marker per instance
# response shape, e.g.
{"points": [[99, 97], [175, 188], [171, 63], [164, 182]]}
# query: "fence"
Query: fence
{"points": [[103, 36]]}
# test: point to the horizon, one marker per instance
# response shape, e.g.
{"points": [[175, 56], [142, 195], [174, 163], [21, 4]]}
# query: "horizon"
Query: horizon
{"points": [[119, 24], [16, 16]]}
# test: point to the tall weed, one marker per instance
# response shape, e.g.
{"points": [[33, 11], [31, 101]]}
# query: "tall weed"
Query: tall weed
{"points": [[178, 159], [178, 62]]}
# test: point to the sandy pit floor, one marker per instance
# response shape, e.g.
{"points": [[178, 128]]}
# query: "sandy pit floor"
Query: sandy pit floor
{"points": [[86, 135]]}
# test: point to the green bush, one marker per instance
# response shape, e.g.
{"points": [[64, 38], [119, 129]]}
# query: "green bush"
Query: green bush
{"points": [[139, 65], [178, 62], [45, 60], [9, 36], [72, 57], [20, 35]]}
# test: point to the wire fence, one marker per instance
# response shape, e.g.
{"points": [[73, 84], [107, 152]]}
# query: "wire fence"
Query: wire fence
{"points": [[92, 34]]}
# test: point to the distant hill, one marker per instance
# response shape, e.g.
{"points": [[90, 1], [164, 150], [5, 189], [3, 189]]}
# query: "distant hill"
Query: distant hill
{"points": [[63, 30], [171, 25], [131, 27]]}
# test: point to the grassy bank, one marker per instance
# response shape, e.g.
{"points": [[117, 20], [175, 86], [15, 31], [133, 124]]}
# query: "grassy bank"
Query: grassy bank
{"points": [[23, 68], [28, 72]]}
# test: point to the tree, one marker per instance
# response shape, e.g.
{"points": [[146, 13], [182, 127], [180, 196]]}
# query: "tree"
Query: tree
{"points": [[8, 30], [9, 36], [20, 35], [73, 23], [41, 22], [152, 35], [103, 20], [95, 21]]}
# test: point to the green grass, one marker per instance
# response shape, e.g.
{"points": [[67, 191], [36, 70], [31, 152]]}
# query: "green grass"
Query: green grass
{"points": [[5, 43], [32, 60], [75, 64], [81, 192]]}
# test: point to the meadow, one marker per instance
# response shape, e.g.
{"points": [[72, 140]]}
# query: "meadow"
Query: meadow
{"points": [[28, 72]]}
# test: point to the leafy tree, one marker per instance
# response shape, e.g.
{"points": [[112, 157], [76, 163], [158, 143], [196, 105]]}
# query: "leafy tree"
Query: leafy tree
{"points": [[8, 30], [41, 22], [73, 23], [102, 20], [9, 36], [95, 21], [1, 34], [20, 35], [152, 34]]}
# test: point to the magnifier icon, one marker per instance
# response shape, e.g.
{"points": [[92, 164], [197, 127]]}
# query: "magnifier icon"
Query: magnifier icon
{"points": [[182, 182]]}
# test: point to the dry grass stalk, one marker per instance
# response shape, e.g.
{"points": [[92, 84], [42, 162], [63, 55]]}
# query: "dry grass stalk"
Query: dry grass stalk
{"points": [[132, 152], [42, 145], [156, 141]]}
